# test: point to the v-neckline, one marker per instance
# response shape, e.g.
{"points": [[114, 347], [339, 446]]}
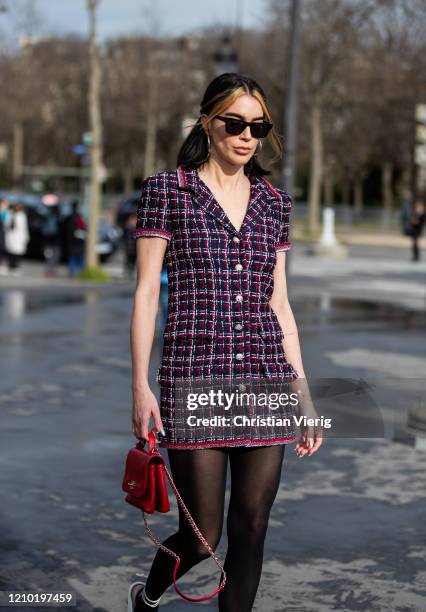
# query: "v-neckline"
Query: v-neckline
{"points": [[207, 188]]}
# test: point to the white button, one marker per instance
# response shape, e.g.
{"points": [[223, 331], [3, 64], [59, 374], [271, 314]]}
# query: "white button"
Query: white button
{"points": [[238, 326], [242, 387], [238, 267], [239, 298], [235, 239], [239, 356]]}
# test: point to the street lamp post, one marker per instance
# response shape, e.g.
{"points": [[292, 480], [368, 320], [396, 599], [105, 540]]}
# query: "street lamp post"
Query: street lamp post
{"points": [[290, 118], [226, 56], [288, 169]]}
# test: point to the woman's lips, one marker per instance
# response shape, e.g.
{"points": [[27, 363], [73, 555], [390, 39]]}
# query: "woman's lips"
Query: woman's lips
{"points": [[242, 150]]}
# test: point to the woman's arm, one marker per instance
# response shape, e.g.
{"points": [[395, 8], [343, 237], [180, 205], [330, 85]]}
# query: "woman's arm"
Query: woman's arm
{"points": [[150, 255], [311, 438], [281, 306]]}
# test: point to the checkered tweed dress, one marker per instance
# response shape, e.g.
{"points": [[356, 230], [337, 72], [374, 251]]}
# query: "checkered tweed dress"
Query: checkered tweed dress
{"points": [[220, 281]]}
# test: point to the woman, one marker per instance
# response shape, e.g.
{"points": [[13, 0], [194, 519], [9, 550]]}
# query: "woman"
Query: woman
{"points": [[52, 238], [17, 237], [75, 236], [224, 232], [417, 221], [129, 245], [4, 212]]}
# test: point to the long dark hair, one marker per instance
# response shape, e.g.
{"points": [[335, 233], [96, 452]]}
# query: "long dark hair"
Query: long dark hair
{"points": [[219, 95]]}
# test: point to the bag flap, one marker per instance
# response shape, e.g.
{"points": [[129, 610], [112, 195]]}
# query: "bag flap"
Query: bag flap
{"points": [[135, 478]]}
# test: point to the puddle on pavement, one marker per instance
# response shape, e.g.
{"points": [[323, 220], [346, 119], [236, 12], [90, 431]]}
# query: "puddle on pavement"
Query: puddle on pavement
{"points": [[14, 304], [340, 311]]}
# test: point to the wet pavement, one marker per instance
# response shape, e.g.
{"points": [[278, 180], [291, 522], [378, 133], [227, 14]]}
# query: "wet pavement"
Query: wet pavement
{"points": [[348, 529]]}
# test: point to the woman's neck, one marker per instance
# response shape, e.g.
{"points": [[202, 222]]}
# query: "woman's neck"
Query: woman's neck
{"points": [[225, 177]]}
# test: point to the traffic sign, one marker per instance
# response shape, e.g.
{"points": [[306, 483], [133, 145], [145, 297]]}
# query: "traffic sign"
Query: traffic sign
{"points": [[79, 149], [88, 139]]}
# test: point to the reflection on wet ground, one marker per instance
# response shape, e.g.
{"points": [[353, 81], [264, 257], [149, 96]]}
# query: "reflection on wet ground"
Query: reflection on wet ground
{"points": [[36, 301], [350, 311], [347, 526], [314, 309]]}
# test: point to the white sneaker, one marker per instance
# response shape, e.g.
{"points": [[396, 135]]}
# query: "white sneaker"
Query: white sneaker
{"points": [[133, 593], [131, 597]]}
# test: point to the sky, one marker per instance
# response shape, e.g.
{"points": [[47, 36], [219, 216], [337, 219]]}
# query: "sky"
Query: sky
{"points": [[117, 17]]}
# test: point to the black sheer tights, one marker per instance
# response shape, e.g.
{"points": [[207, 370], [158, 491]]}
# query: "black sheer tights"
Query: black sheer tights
{"points": [[200, 477]]}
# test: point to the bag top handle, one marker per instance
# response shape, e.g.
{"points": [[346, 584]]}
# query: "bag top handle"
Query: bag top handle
{"points": [[152, 442]]}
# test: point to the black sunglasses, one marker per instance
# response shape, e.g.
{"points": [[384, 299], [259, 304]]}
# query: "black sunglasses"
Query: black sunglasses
{"points": [[237, 126]]}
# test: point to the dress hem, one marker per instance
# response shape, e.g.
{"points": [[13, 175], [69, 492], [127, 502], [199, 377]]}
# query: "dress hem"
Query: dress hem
{"points": [[226, 443]]}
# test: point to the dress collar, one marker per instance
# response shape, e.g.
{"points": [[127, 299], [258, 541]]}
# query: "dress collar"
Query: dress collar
{"points": [[261, 195]]}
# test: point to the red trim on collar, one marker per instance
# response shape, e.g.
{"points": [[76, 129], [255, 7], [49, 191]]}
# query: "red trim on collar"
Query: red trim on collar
{"points": [[181, 176], [271, 188]]}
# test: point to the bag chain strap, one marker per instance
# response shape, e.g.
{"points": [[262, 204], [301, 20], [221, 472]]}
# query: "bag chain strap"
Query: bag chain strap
{"points": [[193, 525]]}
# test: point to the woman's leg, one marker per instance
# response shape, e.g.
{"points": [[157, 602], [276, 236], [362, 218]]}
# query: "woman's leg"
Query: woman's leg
{"points": [[71, 265], [200, 478], [255, 474], [415, 248], [13, 260]]}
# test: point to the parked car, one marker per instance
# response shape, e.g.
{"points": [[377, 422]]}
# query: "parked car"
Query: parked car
{"points": [[125, 207], [108, 235]]}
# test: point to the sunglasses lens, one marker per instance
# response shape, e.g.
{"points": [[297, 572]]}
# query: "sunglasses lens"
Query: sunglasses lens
{"points": [[260, 130], [234, 127]]}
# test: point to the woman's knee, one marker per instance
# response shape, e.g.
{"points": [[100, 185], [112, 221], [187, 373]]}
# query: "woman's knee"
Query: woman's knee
{"points": [[196, 548], [247, 526]]}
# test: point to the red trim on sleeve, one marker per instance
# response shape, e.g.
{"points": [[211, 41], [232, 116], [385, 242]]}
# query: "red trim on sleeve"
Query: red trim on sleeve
{"points": [[144, 231], [284, 246]]}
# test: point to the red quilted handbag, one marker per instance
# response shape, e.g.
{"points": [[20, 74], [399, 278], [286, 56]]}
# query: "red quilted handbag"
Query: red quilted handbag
{"points": [[144, 482]]}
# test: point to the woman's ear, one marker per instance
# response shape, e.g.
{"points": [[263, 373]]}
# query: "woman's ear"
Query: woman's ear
{"points": [[204, 124]]}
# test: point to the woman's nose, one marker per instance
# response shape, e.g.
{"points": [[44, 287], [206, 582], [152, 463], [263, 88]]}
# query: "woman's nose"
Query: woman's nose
{"points": [[246, 132]]}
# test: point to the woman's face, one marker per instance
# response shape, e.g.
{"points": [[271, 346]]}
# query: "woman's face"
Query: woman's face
{"points": [[235, 150]]}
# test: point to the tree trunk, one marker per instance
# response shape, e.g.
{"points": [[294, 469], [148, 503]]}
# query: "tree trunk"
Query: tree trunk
{"points": [[358, 195], [18, 153], [315, 170], [96, 146], [346, 193], [387, 194], [328, 190], [151, 124], [128, 179], [405, 183]]}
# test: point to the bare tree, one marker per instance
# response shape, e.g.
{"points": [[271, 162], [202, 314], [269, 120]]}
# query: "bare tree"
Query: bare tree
{"points": [[96, 138], [361, 73]]}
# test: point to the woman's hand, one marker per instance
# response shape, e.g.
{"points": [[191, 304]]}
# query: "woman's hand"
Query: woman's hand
{"points": [[308, 443], [311, 432], [144, 405]]}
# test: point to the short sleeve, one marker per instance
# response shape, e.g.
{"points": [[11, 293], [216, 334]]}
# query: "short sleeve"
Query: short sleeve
{"points": [[284, 243], [153, 213]]}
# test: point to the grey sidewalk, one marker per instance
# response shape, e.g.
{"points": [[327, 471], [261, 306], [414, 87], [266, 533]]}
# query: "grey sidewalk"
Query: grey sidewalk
{"points": [[347, 530]]}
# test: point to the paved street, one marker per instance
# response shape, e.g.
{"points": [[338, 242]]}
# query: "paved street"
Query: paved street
{"points": [[348, 527]]}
